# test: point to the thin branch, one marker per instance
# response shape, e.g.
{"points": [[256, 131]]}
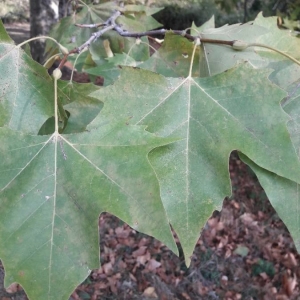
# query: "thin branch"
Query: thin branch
{"points": [[125, 33], [94, 37], [111, 24], [90, 25]]}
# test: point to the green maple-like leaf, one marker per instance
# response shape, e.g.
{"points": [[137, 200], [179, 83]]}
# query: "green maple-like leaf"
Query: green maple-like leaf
{"points": [[119, 45], [81, 107], [206, 25], [213, 116], [52, 190], [136, 18], [278, 189], [216, 58], [24, 84], [283, 195], [285, 71], [282, 192], [66, 33], [140, 22], [53, 187], [282, 40], [111, 70], [171, 60], [76, 108], [203, 67], [4, 37]]}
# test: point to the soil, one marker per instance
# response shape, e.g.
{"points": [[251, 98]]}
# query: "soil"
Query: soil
{"points": [[244, 252]]}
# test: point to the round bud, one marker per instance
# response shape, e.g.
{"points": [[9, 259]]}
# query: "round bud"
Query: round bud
{"points": [[239, 45], [57, 74]]}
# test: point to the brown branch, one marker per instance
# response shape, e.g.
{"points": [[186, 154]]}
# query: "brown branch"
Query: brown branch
{"points": [[110, 24], [63, 61], [90, 25]]}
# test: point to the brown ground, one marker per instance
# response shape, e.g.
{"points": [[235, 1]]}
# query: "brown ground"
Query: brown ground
{"points": [[245, 252]]}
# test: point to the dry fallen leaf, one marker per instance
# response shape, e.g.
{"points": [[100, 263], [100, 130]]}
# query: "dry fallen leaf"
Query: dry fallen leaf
{"points": [[153, 264], [150, 292]]}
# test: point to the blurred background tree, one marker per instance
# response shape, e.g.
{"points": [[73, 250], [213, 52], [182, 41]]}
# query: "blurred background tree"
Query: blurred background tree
{"points": [[43, 14], [14, 10], [180, 14]]}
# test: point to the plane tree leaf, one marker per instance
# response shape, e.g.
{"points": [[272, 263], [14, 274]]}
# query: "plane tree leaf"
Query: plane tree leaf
{"points": [[52, 190], [206, 25], [139, 22], [171, 60], [4, 37], [282, 40], [76, 108], [203, 61], [155, 154], [216, 58], [111, 70], [119, 45], [291, 106], [26, 92], [82, 108], [212, 116], [132, 22], [279, 190], [66, 33], [285, 71]]}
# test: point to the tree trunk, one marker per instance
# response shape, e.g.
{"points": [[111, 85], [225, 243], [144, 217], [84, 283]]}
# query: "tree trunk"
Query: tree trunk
{"points": [[64, 8], [245, 11], [43, 14]]}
